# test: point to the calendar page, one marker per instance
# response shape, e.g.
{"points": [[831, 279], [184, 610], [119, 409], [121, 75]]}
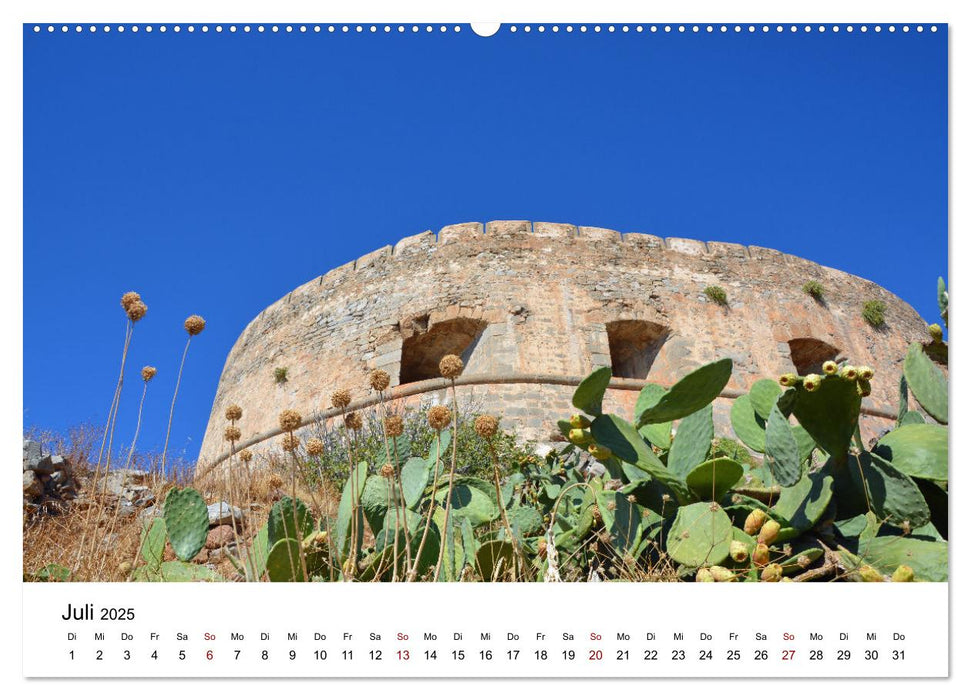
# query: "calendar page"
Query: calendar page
{"points": [[538, 349]]}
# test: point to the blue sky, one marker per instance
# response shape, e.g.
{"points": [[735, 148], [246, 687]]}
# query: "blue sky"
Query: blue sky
{"points": [[213, 173]]}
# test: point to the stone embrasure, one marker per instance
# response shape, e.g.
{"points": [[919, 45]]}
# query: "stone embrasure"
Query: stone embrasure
{"points": [[521, 301]]}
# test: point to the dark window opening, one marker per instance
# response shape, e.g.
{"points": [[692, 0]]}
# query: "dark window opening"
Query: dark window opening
{"points": [[422, 351], [809, 354], [634, 345]]}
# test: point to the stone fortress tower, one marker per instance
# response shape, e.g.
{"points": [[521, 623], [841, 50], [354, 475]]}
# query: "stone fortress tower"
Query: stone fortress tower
{"points": [[532, 308]]}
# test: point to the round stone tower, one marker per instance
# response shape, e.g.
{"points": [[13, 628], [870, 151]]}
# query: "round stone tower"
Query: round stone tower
{"points": [[534, 307]]}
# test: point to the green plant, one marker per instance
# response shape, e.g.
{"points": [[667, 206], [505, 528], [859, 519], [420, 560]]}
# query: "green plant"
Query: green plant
{"points": [[185, 524], [716, 294], [280, 375], [814, 289], [873, 312]]}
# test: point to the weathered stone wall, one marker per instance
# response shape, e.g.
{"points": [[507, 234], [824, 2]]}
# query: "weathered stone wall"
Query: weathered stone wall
{"points": [[538, 298]]}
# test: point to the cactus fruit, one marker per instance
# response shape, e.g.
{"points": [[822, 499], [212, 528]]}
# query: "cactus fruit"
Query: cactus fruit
{"points": [[772, 573], [870, 575], [849, 372], [788, 379], [760, 555], [863, 387], [721, 574], [865, 372], [580, 437], [811, 382], [599, 452], [936, 333], [755, 520], [579, 421], [903, 574], [769, 532], [738, 551], [704, 575], [186, 522], [830, 368]]}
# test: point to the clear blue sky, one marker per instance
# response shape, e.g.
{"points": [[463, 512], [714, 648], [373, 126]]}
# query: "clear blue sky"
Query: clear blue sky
{"points": [[213, 173]]}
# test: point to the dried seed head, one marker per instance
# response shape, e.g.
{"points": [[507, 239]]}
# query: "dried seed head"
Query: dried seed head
{"points": [[379, 380], [772, 573], [803, 561], [315, 447], [290, 442], [290, 420], [341, 398], [611, 506], [486, 426], [129, 298], [541, 548], [234, 412], [394, 426], [830, 367], [387, 471], [148, 372], [450, 366], [353, 421], [195, 324], [245, 455], [275, 481], [136, 311], [788, 379], [439, 418], [124, 568], [231, 434], [597, 515], [811, 382]]}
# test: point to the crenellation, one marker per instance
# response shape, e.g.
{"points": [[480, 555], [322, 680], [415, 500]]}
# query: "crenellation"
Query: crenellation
{"points": [[369, 259], [727, 250], [688, 246], [508, 228], [459, 232], [598, 234], [545, 229]]}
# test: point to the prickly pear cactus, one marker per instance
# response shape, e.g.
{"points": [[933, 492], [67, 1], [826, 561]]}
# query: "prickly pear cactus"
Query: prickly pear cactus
{"points": [[926, 382], [186, 522], [283, 561], [700, 535], [288, 519], [692, 393]]}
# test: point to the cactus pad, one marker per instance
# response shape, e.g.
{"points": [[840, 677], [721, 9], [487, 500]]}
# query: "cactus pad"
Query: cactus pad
{"points": [[589, 395], [926, 382], [692, 442], [186, 522], [918, 449], [288, 519], [710, 480], [692, 393], [700, 535], [781, 449]]}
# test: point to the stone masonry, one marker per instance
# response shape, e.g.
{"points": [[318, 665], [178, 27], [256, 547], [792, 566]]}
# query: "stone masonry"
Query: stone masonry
{"points": [[534, 307]]}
